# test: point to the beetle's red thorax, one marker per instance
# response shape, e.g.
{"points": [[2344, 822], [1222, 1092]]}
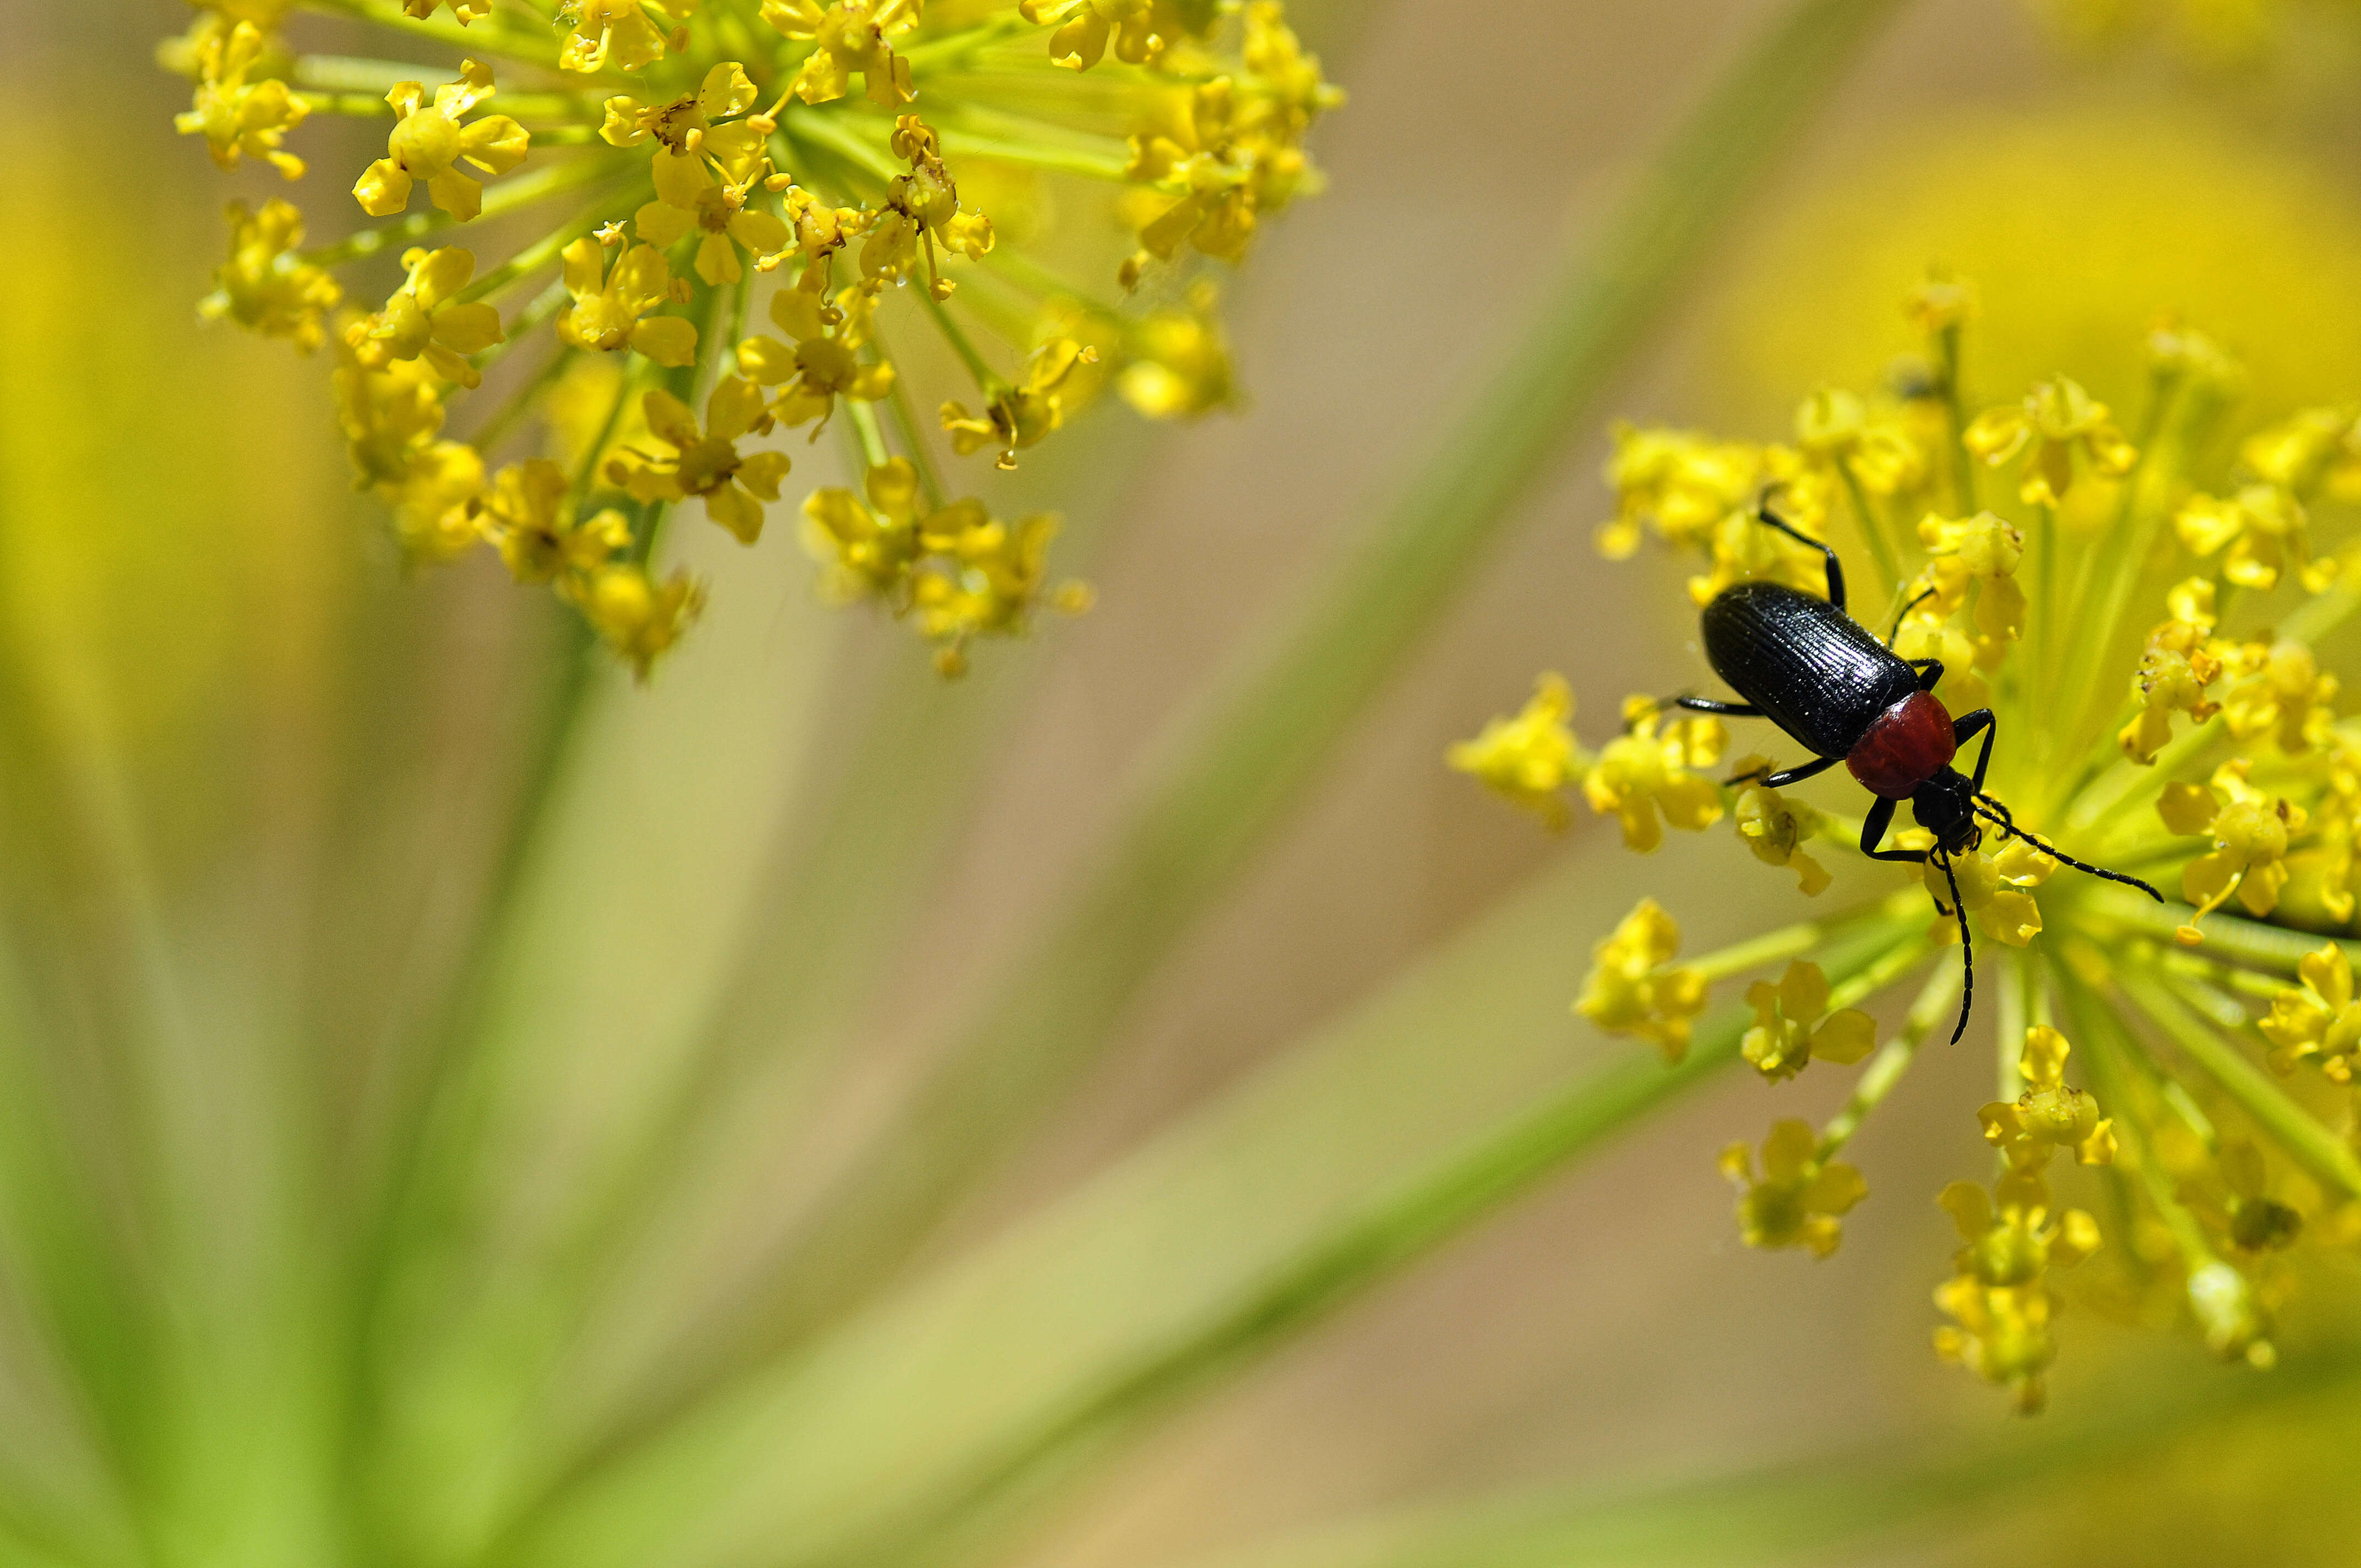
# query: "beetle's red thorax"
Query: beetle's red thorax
{"points": [[1908, 745]]}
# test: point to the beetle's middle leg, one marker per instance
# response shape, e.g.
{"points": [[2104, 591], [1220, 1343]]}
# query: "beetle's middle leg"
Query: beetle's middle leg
{"points": [[1931, 671], [1708, 705], [1786, 776]]}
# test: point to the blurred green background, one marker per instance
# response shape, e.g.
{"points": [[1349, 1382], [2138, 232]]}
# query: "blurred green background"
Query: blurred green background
{"points": [[261, 860]]}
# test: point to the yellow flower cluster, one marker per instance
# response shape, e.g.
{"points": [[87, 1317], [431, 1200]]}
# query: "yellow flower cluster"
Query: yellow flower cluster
{"points": [[2145, 621], [676, 165]]}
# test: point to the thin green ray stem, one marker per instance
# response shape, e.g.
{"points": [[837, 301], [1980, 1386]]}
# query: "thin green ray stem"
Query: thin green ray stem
{"points": [[475, 37], [488, 436], [1234, 770], [1873, 529], [947, 51], [2273, 947], [1963, 461], [2110, 1052], [1893, 1059], [2319, 1150]]}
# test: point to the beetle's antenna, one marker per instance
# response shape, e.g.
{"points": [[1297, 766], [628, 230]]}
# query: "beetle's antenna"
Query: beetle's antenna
{"points": [[1966, 949], [1995, 812]]}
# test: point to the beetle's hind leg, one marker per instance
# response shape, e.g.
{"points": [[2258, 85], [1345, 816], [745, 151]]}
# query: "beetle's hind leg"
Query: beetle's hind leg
{"points": [[1835, 568], [1902, 615]]}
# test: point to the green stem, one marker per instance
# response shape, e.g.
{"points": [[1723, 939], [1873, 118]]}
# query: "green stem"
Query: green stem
{"points": [[2274, 948], [1893, 1059], [477, 38], [1873, 528], [2312, 1146], [986, 382], [488, 436], [1963, 461]]}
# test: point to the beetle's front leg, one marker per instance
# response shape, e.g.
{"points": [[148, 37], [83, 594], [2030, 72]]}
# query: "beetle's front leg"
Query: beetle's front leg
{"points": [[1872, 833], [1965, 730]]}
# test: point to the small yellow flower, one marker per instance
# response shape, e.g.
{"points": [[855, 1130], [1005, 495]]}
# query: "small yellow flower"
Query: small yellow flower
{"points": [[988, 576], [692, 124], [825, 363], [1941, 302], [263, 286], [239, 118], [1140, 31], [2000, 1309], [1634, 990], [1650, 769], [390, 417], [2179, 664], [610, 309], [1179, 361], [848, 35], [1776, 828], [2250, 830], [690, 200], [2229, 1315], [2310, 450], [466, 11], [706, 463], [425, 320], [1984, 551], [639, 619], [1743, 551], [921, 212], [1792, 1026], [2050, 1115], [1995, 886], [1678, 482], [529, 518], [2320, 1022], [2264, 527], [2279, 688], [1869, 445], [1528, 757], [1799, 1200], [957, 570], [619, 33], [2056, 419], [1021, 415], [430, 141], [434, 504], [872, 549]]}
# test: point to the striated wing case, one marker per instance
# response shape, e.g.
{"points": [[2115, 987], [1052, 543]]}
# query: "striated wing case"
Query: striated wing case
{"points": [[1812, 669]]}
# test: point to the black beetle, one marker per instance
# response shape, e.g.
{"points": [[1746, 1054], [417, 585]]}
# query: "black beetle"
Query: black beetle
{"points": [[1807, 666]]}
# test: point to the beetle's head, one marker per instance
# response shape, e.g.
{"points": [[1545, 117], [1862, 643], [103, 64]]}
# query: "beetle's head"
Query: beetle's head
{"points": [[1946, 806]]}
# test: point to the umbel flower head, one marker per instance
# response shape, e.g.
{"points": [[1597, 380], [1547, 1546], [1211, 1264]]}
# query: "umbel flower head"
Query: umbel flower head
{"points": [[660, 173], [2140, 599]]}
